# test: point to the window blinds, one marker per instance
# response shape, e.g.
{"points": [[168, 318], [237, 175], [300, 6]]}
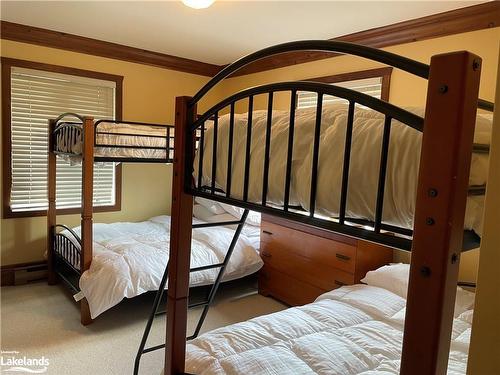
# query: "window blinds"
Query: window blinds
{"points": [[369, 86], [37, 96]]}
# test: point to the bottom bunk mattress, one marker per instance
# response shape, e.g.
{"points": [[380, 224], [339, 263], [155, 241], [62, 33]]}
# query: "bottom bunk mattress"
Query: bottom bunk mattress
{"points": [[352, 330], [130, 258]]}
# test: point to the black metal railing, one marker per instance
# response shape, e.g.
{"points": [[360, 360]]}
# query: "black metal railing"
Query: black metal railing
{"points": [[67, 247], [341, 223], [374, 230], [159, 147], [165, 148], [377, 230]]}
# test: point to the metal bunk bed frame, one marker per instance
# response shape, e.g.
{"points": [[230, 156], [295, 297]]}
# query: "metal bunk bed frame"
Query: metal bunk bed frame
{"points": [[70, 255], [452, 102]]}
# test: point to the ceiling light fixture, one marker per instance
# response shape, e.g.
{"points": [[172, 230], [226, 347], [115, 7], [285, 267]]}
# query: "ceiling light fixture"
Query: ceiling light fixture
{"points": [[198, 4]]}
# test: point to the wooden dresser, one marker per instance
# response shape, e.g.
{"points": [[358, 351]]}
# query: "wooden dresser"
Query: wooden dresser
{"points": [[301, 262]]}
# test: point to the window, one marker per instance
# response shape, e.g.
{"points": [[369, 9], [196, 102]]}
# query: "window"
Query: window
{"points": [[36, 93], [374, 82]]}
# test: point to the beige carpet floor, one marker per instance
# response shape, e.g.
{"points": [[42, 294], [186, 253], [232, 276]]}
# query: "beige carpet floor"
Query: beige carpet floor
{"points": [[40, 320]]}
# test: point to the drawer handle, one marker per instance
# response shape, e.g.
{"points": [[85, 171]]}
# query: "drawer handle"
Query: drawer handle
{"points": [[339, 283], [342, 256], [267, 232], [267, 255]]}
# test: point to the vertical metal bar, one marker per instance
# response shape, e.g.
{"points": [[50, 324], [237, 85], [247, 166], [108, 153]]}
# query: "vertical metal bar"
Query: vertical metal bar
{"points": [[167, 156], [347, 160], [214, 288], [289, 160], [71, 250], [382, 172], [214, 152], [67, 249], [265, 178], [314, 169], [201, 148], [450, 116], [248, 149], [51, 195], [149, 324], [230, 150]]}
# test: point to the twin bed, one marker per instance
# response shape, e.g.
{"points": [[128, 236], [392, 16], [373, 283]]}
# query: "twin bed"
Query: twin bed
{"points": [[344, 168], [129, 259], [353, 330], [124, 260]]}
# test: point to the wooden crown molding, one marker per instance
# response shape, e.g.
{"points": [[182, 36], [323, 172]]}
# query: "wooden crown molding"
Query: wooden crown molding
{"points": [[472, 18], [55, 39], [476, 17]]}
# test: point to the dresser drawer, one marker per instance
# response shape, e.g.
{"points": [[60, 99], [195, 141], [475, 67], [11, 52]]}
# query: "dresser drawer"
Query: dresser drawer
{"points": [[324, 251], [310, 270], [286, 288]]}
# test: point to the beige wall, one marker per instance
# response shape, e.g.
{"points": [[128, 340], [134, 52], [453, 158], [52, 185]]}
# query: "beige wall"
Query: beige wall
{"points": [[484, 354], [405, 88], [148, 95]]}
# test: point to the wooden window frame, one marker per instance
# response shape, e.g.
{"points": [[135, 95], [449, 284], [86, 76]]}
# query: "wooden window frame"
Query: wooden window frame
{"points": [[384, 73], [7, 65]]}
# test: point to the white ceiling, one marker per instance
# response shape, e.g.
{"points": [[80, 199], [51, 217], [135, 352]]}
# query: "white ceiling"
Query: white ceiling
{"points": [[222, 33]]}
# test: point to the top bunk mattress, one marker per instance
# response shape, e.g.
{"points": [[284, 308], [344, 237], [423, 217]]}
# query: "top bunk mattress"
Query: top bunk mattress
{"points": [[117, 140], [402, 168]]}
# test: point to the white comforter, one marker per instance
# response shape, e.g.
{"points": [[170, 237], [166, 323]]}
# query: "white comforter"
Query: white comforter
{"points": [[129, 259], [352, 330], [402, 169]]}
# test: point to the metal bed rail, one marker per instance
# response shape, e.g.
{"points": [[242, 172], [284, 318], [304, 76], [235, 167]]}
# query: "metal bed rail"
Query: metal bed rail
{"points": [[72, 131], [67, 253]]}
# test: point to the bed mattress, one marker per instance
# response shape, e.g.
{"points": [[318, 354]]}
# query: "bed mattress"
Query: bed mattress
{"points": [[129, 141], [402, 167], [130, 258], [351, 330]]}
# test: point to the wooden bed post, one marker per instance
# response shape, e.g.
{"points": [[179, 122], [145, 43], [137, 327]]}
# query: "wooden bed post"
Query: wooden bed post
{"points": [[51, 210], [87, 207], [440, 209], [180, 247]]}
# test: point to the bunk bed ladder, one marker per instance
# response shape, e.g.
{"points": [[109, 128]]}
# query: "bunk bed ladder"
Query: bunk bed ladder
{"points": [[206, 304]]}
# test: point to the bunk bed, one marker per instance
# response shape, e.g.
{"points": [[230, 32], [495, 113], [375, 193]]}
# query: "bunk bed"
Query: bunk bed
{"points": [[105, 263], [436, 234]]}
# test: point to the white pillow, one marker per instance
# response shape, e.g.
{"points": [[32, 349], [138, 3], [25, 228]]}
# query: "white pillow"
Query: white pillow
{"points": [[202, 213], [395, 277], [210, 205], [253, 217]]}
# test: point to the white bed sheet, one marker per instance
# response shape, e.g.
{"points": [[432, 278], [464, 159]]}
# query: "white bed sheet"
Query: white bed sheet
{"points": [[129, 259], [352, 330], [402, 167]]}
